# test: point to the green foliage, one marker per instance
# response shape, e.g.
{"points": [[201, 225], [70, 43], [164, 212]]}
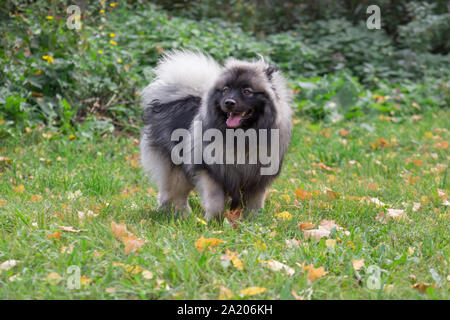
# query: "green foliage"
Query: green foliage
{"points": [[61, 77], [428, 32], [337, 97]]}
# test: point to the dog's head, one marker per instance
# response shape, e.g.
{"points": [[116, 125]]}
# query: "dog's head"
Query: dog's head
{"points": [[244, 95]]}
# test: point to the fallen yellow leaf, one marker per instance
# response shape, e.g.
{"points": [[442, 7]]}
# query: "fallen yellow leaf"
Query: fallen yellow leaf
{"points": [[19, 189], [232, 256], [284, 215], [252, 291], [84, 280]]}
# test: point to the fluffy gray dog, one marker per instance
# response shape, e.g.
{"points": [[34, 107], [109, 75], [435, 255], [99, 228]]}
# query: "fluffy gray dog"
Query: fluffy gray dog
{"points": [[192, 93]]}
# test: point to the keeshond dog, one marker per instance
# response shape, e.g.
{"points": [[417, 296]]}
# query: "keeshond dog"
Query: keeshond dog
{"points": [[193, 93]]}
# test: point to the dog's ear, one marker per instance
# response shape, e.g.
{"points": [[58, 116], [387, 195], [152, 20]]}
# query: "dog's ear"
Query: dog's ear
{"points": [[269, 71]]}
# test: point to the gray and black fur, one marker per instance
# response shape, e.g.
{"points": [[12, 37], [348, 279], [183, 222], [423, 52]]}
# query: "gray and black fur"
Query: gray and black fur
{"points": [[191, 86]]}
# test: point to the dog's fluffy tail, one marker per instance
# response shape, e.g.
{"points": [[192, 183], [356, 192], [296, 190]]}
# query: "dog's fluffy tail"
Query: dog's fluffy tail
{"points": [[180, 74]]}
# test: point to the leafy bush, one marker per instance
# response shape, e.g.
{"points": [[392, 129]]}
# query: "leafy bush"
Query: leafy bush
{"points": [[427, 32], [327, 46], [339, 96], [62, 77], [99, 69]]}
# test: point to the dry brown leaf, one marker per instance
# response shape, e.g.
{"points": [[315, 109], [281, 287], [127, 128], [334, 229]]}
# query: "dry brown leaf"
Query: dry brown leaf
{"points": [[354, 162], [396, 214], [323, 230], [5, 159], [68, 250], [291, 243], [277, 266], [382, 142], [225, 293], [303, 195], [233, 216], [132, 243], [330, 243], [8, 264], [98, 254], [344, 133], [422, 286], [87, 214], [69, 229], [305, 225], [119, 230], [316, 234], [297, 297], [441, 194], [146, 274], [332, 195], [376, 201], [314, 273], [323, 166], [36, 198], [53, 277], [358, 264], [110, 290], [55, 235], [373, 186]]}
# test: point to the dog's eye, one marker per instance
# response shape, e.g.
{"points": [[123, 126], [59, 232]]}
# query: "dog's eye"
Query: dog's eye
{"points": [[247, 91], [225, 90]]}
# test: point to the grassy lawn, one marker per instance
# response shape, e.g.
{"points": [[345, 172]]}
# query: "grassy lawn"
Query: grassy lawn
{"points": [[47, 179]]}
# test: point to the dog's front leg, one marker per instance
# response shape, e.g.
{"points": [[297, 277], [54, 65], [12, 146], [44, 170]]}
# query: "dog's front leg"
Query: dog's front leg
{"points": [[254, 201], [212, 195]]}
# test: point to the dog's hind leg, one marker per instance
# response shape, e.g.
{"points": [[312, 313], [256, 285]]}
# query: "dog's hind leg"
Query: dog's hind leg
{"points": [[173, 184], [212, 195], [174, 191]]}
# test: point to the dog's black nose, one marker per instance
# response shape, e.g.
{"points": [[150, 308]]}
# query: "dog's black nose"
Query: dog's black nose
{"points": [[229, 103]]}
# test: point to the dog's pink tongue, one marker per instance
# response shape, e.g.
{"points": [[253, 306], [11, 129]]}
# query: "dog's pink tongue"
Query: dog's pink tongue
{"points": [[233, 120]]}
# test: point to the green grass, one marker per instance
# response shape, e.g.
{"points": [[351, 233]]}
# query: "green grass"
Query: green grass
{"points": [[55, 166]]}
